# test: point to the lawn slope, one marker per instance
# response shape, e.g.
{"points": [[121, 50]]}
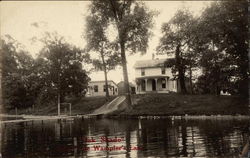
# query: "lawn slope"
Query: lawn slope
{"points": [[177, 104]]}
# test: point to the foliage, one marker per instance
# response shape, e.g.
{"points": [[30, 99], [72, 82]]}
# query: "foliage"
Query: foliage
{"points": [[225, 32], [216, 42], [27, 81], [177, 38], [97, 41], [16, 77], [132, 21], [111, 61], [64, 62]]}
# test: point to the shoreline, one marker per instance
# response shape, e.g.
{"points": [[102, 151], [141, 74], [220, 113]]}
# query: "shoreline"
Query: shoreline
{"points": [[26, 118], [152, 105], [181, 116], [180, 105]]}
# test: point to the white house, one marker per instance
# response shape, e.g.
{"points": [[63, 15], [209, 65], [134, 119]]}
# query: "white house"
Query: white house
{"points": [[97, 88], [154, 76]]}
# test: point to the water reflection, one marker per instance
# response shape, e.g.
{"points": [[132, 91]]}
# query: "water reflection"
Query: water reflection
{"points": [[139, 138]]}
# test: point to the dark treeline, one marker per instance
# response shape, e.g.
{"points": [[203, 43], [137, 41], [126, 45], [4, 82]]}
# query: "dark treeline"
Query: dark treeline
{"points": [[56, 72], [216, 43]]}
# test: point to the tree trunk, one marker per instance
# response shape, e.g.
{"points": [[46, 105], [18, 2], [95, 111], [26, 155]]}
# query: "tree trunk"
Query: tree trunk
{"points": [[105, 75], [125, 73], [182, 81], [181, 73], [244, 82], [243, 63], [217, 90], [121, 34], [190, 79], [106, 84], [58, 104], [218, 80], [217, 74], [58, 93]]}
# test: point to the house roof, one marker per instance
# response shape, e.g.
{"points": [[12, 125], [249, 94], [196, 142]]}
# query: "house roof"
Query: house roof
{"points": [[102, 81], [150, 63]]}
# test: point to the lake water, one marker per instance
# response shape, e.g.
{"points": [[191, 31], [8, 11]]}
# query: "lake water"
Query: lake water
{"points": [[124, 138]]}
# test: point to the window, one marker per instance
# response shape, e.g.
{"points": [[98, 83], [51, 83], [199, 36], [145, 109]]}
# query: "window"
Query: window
{"points": [[143, 72], [95, 88], [163, 71], [163, 83], [104, 88]]}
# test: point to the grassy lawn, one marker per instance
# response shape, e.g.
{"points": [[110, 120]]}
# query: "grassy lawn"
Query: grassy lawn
{"points": [[79, 106], [157, 104], [88, 105], [176, 104]]}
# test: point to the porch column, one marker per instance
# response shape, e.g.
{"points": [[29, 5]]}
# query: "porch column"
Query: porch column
{"points": [[167, 84], [156, 85], [146, 83], [139, 87]]}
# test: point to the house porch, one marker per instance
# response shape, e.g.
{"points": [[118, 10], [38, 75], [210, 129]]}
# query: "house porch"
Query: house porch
{"points": [[155, 85]]}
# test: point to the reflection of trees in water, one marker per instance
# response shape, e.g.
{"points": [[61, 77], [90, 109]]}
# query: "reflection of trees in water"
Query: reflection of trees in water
{"points": [[26, 139], [44, 138], [190, 138], [15, 137], [219, 137], [127, 139], [159, 138], [156, 137], [184, 140], [106, 134], [56, 138], [111, 128]]}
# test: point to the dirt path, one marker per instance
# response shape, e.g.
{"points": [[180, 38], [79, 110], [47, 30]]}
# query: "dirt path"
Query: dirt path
{"points": [[110, 107]]}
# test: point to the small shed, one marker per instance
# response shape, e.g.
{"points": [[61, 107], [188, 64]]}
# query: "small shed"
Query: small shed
{"points": [[121, 90]]}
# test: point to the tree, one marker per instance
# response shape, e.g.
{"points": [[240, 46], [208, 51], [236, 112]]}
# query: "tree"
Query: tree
{"points": [[46, 94], [176, 39], [57, 71], [225, 34], [17, 75], [64, 73], [108, 62], [98, 42], [132, 21], [216, 75]]}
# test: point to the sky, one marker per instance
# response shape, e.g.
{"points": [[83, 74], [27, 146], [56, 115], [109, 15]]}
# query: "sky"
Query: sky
{"points": [[28, 20]]}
